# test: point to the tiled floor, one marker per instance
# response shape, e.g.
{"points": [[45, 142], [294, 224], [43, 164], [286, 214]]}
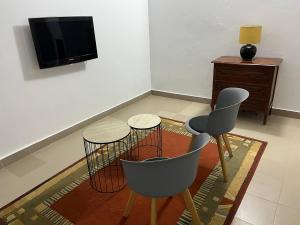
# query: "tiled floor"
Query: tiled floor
{"points": [[273, 197]]}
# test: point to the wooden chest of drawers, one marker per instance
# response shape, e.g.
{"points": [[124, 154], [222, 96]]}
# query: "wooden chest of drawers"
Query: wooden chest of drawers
{"points": [[258, 77]]}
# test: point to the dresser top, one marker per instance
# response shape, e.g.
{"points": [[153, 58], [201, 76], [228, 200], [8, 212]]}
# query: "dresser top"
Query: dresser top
{"points": [[257, 61]]}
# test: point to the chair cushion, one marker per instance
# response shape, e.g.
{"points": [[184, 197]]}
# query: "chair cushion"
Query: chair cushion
{"points": [[197, 125]]}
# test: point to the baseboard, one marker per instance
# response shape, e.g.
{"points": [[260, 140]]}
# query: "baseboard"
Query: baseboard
{"points": [[286, 113], [275, 111], [181, 96], [42, 143]]}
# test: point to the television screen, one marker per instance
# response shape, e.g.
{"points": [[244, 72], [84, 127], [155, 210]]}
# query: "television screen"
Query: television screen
{"points": [[63, 40]]}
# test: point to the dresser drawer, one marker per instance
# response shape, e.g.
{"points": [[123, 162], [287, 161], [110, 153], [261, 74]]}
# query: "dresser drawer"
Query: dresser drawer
{"points": [[262, 76], [258, 95]]}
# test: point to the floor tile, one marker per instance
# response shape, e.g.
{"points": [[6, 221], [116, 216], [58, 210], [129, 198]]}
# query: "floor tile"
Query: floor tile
{"points": [[181, 118], [290, 195], [272, 168], [166, 114], [255, 210], [143, 106], [286, 216], [24, 166], [195, 109], [9, 186], [168, 104], [264, 186], [64, 151], [237, 221]]}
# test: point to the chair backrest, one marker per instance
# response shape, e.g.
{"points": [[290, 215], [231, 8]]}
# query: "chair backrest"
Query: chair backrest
{"points": [[166, 176], [223, 118], [231, 96]]}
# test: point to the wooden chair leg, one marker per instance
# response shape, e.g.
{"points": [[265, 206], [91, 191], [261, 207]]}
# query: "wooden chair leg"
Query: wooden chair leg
{"points": [[129, 204], [191, 207], [153, 211], [191, 143], [221, 155], [227, 144]]}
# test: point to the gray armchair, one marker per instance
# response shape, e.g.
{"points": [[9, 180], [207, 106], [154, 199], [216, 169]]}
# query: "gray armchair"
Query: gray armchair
{"points": [[221, 120], [164, 177]]}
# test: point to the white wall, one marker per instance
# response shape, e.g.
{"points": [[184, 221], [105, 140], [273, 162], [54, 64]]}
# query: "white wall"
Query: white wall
{"points": [[37, 103], [186, 35]]}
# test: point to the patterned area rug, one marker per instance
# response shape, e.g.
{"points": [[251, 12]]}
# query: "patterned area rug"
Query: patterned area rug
{"points": [[67, 198]]}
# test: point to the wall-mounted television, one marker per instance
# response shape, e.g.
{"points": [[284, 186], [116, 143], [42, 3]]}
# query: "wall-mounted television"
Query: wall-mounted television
{"points": [[63, 40]]}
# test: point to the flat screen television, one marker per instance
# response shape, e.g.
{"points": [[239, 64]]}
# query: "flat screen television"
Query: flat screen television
{"points": [[63, 40]]}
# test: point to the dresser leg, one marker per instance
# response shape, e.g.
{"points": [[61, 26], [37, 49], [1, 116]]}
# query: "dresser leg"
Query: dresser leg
{"points": [[270, 111], [265, 118]]}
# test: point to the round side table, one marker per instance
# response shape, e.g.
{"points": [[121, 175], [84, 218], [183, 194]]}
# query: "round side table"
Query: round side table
{"points": [[105, 144], [146, 132]]}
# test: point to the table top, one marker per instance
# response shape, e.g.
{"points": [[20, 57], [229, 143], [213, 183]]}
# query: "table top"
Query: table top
{"points": [[106, 132], [144, 121], [257, 61]]}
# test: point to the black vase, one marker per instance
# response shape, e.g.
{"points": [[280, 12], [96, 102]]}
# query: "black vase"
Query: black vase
{"points": [[247, 52]]}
